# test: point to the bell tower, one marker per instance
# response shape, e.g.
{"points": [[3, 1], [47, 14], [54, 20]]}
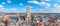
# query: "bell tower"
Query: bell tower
{"points": [[28, 13]]}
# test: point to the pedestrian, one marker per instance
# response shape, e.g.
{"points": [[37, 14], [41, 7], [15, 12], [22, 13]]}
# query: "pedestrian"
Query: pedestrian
{"points": [[5, 19], [35, 22], [15, 23], [40, 24]]}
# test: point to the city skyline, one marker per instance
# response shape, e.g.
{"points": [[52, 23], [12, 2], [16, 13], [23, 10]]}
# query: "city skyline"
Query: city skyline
{"points": [[37, 6]]}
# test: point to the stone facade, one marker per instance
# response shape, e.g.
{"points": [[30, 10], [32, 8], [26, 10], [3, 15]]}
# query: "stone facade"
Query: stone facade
{"points": [[28, 14]]}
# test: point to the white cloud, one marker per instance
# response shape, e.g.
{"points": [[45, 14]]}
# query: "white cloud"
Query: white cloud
{"points": [[55, 5], [40, 3], [35, 2], [3, 2], [21, 4], [22, 10], [1, 9], [54, 9], [1, 6], [44, 4], [9, 1], [41, 11], [46, 0], [12, 10]]}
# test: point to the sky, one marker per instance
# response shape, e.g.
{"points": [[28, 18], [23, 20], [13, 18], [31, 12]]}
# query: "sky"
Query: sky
{"points": [[37, 6]]}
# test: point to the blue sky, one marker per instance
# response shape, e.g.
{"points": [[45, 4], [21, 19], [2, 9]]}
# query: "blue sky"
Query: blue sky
{"points": [[37, 6]]}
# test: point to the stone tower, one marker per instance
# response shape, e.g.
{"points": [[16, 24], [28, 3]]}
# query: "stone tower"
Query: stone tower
{"points": [[28, 14]]}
